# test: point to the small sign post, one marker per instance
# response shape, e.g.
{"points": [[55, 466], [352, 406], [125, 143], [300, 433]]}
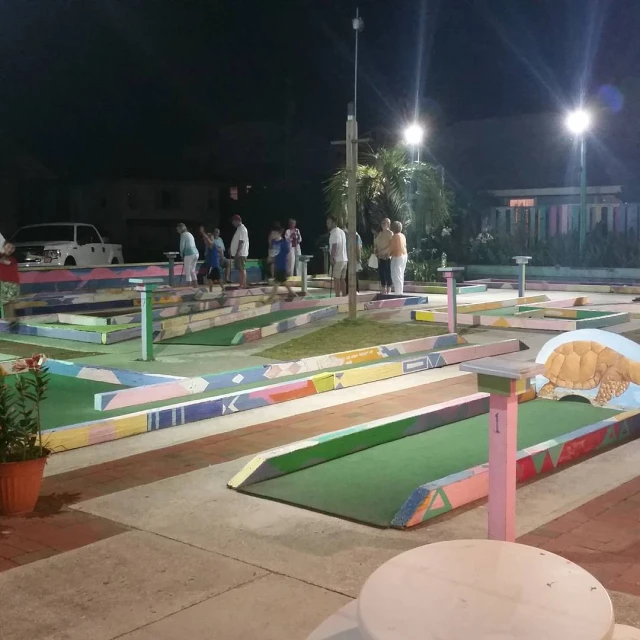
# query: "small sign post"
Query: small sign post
{"points": [[147, 286], [522, 261], [505, 380], [449, 274]]}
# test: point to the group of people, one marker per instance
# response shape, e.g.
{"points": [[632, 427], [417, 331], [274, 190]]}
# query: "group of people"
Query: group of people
{"points": [[216, 263], [218, 266], [390, 249]]}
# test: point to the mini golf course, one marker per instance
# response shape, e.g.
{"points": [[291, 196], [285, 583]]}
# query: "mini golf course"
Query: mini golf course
{"points": [[70, 400], [535, 313], [224, 335], [375, 484]]}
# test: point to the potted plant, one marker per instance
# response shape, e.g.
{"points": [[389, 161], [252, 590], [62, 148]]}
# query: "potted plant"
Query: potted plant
{"points": [[22, 454]]}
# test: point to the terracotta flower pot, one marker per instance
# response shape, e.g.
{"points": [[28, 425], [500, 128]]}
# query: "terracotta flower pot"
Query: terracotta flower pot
{"points": [[20, 486]]}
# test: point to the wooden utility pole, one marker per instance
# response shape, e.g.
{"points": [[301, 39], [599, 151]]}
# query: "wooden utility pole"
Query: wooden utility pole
{"points": [[352, 181]]}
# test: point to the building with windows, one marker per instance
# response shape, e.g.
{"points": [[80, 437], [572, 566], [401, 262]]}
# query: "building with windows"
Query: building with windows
{"points": [[142, 214], [525, 172]]}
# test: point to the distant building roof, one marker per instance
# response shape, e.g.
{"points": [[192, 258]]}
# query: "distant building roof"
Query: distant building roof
{"points": [[536, 151]]}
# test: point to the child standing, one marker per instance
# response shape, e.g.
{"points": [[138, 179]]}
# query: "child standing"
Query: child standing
{"points": [[9, 281], [212, 259], [280, 249]]}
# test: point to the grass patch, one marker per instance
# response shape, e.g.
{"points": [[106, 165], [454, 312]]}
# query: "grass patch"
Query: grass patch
{"points": [[351, 334], [24, 350]]}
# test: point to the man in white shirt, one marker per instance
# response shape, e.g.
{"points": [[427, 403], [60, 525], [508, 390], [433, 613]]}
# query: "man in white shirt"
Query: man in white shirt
{"points": [[239, 249], [2, 241], [338, 253]]}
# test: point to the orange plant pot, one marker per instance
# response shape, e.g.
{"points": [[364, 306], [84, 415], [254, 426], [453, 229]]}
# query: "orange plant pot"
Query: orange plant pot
{"points": [[20, 486]]}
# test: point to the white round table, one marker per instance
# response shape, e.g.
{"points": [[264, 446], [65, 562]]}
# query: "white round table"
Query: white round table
{"points": [[483, 590]]}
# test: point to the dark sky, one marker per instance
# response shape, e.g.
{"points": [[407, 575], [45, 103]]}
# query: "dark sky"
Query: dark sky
{"points": [[90, 83]]}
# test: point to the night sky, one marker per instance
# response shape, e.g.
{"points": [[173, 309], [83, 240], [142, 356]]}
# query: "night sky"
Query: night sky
{"points": [[93, 85]]}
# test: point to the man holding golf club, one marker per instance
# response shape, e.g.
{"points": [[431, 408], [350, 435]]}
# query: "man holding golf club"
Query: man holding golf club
{"points": [[338, 255]]}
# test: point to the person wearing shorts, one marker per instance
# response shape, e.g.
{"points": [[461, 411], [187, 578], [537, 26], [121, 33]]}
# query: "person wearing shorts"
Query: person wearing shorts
{"points": [[338, 255], [212, 259], [280, 250], [9, 281], [239, 249]]}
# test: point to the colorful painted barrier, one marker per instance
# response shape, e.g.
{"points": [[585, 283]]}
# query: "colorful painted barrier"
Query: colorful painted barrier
{"points": [[251, 335], [109, 375], [444, 495], [179, 414], [528, 313], [267, 373], [49, 279], [537, 285], [409, 287]]}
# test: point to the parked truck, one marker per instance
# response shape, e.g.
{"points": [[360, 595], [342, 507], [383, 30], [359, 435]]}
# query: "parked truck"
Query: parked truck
{"points": [[64, 243]]}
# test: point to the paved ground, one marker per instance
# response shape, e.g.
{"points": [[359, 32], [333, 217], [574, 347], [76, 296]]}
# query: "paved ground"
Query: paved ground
{"points": [[141, 539]]}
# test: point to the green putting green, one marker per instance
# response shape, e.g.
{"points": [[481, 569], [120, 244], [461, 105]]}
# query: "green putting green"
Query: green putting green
{"points": [[502, 311], [224, 334], [70, 401], [371, 485]]}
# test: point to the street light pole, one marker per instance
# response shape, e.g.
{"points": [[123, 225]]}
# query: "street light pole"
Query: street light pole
{"points": [[352, 177], [583, 191], [578, 122], [358, 26]]}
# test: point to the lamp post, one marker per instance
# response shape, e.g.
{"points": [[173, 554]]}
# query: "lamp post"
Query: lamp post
{"points": [[579, 122], [358, 26], [413, 137]]}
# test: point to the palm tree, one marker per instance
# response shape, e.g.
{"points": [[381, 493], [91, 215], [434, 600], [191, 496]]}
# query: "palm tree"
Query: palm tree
{"points": [[390, 186]]}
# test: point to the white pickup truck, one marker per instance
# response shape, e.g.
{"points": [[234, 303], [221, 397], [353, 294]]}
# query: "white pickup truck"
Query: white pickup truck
{"points": [[64, 243]]}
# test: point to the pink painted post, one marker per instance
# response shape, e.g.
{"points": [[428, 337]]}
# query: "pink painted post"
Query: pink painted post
{"points": [[451, 305], [504, 380], [503, 436], [449, 274]]}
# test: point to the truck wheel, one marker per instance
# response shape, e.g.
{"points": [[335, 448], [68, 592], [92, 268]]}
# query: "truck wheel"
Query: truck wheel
{"points": [[115, 261], [70, 262]]}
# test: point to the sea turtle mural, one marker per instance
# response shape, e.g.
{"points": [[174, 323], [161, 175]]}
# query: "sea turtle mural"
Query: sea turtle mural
{"points": [[598, 365]]}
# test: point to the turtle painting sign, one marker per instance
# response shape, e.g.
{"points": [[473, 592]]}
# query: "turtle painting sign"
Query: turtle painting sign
{"points": [[597, 365]]}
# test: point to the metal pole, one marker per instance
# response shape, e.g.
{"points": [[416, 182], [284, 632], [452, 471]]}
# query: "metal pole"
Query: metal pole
{"points": [[355, 73], [147, 323], [352, 173], [583, 192]]}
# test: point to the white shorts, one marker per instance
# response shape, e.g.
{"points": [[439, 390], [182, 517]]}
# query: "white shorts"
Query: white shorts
{"points": [[339, 270]]}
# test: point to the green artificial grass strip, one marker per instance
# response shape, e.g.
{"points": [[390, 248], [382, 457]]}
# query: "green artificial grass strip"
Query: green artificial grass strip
{"points": [[503, 311], [25, 350], [70, 400], [351, 334], [370, 486], [224, 334]]}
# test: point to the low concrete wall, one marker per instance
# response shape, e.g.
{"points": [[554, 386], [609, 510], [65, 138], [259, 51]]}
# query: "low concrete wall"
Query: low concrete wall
{"points": [[555, 274]]}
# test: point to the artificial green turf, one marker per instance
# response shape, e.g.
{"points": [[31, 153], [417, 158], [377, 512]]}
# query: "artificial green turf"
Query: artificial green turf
{"points": [[224, 334], [351, 334], [370, 486], [502, 311], [70, 401]]}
